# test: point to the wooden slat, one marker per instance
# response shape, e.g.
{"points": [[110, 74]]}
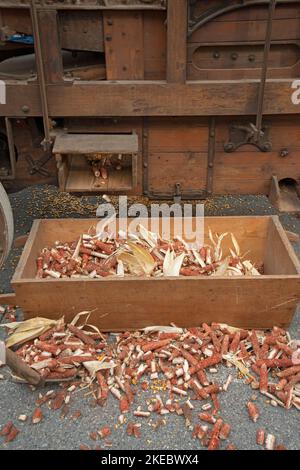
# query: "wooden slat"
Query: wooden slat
{"points": [[245, 31], [177, 41], [50, 46], [86, 144], [155, 45], [123, 38]]}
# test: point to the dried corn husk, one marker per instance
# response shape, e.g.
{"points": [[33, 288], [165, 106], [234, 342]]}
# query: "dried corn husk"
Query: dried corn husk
{"points": [[130, 263], [143, 257], [29, 329], [172, 264]]}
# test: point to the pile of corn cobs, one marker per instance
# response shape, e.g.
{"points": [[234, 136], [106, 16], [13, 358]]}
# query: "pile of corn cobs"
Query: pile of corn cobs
{"points": [[141, 254], [172, 360]]}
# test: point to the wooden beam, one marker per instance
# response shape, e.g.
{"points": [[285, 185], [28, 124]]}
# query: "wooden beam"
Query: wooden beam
{"points": [[177, 41], [98, 99]]}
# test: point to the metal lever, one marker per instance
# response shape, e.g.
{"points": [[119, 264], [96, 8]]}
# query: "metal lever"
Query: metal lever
{"points": [[261, 94], [249, 133]]}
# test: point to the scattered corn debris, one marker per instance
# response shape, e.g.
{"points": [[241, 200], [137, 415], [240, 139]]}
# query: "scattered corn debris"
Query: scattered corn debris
{"points": [[80, 357]]}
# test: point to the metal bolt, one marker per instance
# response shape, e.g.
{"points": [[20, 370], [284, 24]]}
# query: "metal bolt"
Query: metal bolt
{"points": [[284, 153], [216, 55], [25, 108], [234, 56], [251, 58], [229, 147], [267, 147]]}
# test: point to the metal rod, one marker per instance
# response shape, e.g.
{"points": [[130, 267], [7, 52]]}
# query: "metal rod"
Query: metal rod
{"points": [[262, 87], [41, 74], [11, 147]]}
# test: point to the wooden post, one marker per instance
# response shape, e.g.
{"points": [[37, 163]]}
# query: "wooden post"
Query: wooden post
{"points": [[50, 46], [177, 41]]}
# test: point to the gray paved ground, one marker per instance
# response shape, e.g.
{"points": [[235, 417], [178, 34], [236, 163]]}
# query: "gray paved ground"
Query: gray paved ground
{"points": [[57, 433]]}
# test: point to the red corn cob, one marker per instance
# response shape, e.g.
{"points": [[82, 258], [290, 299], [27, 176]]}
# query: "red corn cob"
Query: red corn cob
{"points": [[263, 382], [37, 416], [253, 411], [260, 437], [225, 431], [215, 440]]}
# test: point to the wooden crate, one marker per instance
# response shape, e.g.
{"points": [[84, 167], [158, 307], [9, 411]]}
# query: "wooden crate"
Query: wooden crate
{"points": [[131, 303]]}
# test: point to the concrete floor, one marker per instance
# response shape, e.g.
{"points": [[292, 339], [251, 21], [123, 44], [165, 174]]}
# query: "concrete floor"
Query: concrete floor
{"points": [[57, 433]]}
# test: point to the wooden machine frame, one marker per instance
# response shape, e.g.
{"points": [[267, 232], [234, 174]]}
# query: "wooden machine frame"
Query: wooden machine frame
{"points": [[141, 103]]}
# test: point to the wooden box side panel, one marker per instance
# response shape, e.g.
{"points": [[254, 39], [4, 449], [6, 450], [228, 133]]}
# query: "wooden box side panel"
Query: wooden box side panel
{"points": [[133, 304], [280, 257]]}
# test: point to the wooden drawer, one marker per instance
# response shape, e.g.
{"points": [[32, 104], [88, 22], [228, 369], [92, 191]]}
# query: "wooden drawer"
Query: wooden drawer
{"points": [[132, 303]]}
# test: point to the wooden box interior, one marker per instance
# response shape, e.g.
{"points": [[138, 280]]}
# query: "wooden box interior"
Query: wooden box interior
{"points": [[261, 238]]}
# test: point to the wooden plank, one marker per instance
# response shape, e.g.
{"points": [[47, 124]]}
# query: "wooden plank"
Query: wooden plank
{"points": [[81, 30], [245, 31], [279, 256], [206, 98], [152, 99], [50, 46], [155, 45], [259, 12], [165, 170], [17, 20], [178, 135], [123, 38], [151, 302], [234, 186], [78, 144], [27, 264], [177, 41], [255, 164]]}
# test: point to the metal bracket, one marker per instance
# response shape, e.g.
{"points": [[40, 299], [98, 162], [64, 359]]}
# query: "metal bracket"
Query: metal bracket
{"points": [[247, 134]]}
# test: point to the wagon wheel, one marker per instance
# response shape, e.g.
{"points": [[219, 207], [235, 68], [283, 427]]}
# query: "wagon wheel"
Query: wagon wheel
{"points": [[6, 225]]}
